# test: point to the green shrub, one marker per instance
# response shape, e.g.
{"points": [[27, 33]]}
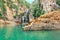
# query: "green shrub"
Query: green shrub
{"points": [[37, 12], [58, 2], [0, 15]]}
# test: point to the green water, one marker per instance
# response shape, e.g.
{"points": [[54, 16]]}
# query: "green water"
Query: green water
{"points": [[8, 32]]}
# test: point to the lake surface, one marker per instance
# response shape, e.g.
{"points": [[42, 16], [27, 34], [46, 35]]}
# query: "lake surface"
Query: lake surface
{"points": [[8, 32]]}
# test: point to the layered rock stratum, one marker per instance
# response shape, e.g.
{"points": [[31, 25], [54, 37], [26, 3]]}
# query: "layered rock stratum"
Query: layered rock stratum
{"points": [[48, 21]]}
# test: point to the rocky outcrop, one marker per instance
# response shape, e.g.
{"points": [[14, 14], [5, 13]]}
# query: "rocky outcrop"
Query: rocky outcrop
{"points": [[50, 21], [6, 22], [13, 9]]}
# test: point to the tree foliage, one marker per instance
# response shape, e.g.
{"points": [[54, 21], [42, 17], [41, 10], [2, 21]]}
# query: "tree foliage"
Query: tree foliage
{"points": [[58, 2], [3, 9], [37, 9]]}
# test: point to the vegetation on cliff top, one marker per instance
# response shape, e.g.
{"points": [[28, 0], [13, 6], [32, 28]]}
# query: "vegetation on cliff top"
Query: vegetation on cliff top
{"points": [[18, 7]]}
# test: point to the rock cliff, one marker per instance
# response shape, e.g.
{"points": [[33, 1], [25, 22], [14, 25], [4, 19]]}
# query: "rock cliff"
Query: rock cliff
{"points": [[48, 21]]}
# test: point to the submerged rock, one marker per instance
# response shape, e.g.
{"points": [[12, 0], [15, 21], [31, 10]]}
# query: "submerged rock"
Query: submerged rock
{"points": [[48, 21]]}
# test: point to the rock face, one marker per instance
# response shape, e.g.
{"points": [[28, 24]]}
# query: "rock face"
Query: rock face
{"points": [[49, 5], [9, 13], [12, 9], [6, 22], [48, 21]]}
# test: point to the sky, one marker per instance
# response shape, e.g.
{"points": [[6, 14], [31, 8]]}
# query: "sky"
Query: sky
{"points": [[30, 1]]}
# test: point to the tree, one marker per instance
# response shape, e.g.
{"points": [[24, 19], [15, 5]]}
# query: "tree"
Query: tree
{"points": [[37, 9], [58, 2], [3, 10]]}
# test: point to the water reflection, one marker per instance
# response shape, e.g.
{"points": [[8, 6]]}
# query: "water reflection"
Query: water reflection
{"points": [[9, 29], [1, 26], [15, 32]]}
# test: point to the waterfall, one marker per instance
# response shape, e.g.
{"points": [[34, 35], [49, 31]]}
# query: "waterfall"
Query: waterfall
{"points": [[26, 16]]}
